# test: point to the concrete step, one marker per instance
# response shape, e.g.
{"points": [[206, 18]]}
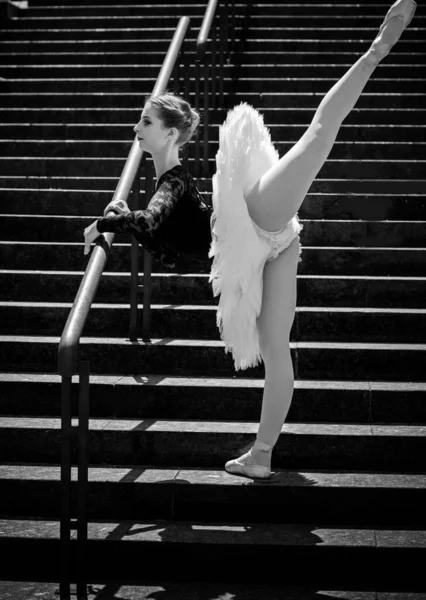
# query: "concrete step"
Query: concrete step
{"points": [[356, 498], [354, 233], [321, 260], [336, 186], [357, 291], [177, 443], [279, 117], [191, 321], [247, 73], [362, 22], [124, 132], [311, 360], [249, 43], [112, 167], [235, 399], [137, 30], [89, 56], [359, 150], [132, 101], [46, 201], [203, 551], [259, 9], [143, 84]]}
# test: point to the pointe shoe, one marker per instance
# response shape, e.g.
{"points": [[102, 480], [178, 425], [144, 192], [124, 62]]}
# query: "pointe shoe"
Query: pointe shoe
{"points": [[397, 19], [235, 467]]}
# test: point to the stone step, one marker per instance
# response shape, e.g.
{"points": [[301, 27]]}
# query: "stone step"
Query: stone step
{"points": [[124, 132], [277, 117], [247, 73], [277, 9], [235, 399], [143, 85], [132, 101], [112, 149], [138, 492], [336, 186], [330, 31], [243, 46], [89, 56], [358, 291], [354, 233], [148, 44], [323, 260], [46, 201], [311, 360], [191, 321], [277, 21], [197, 551], [177, 443], [58, 166]]}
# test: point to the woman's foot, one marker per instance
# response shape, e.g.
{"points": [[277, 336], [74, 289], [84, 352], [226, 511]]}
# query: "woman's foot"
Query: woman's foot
{"points": [[255, 463], [397, 19]]}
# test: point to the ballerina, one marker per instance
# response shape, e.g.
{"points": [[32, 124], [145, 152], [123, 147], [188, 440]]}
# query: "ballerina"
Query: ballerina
{"points": [[254, 265]]}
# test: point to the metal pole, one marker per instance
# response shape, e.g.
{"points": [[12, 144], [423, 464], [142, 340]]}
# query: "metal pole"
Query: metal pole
{"points": [[83, 478], [147, 262], [213, 58], [206, 169], [134, 263], [197, 107], [65, 526]]}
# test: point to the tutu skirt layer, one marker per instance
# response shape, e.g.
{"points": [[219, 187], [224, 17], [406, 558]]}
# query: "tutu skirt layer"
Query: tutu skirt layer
{"points": [[239, 247]]}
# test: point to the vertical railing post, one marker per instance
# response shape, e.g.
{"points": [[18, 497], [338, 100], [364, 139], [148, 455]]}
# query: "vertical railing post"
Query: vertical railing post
{"points": [[65, 525], [213, 59], [147, 261], [82, 479], [197, 107], [206, 169], [134, 262], [223, 32]]}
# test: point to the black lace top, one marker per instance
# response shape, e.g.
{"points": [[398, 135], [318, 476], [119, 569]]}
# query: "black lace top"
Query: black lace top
{"points": [[175, 226]]}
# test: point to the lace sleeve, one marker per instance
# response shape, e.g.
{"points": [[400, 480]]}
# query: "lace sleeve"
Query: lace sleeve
{"points": [[143, 223]]}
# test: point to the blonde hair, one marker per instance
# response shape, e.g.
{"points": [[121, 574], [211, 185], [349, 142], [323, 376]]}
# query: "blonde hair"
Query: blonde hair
{"points": [[175, 112]]}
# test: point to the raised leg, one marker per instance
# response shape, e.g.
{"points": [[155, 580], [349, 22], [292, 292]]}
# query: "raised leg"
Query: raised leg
{"points": [[279, 193]]}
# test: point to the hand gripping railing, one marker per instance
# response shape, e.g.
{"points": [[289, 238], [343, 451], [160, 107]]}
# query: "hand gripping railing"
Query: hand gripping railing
{"points": [[216, 10], [70, 363]]}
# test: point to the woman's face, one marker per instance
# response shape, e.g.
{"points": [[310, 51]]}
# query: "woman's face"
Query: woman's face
{"points": [[150, 131]]}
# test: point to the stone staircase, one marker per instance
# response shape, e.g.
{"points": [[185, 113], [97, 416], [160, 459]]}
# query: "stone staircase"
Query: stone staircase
{"points": [[344, 510]]}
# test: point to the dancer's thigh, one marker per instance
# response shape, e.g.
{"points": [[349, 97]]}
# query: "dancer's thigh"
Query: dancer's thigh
{"points": [[276, 197], [278, 301]]}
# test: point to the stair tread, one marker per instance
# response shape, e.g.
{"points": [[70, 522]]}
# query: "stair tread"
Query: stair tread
{"points": [[292, 478], [203, 532], [151, 426]]}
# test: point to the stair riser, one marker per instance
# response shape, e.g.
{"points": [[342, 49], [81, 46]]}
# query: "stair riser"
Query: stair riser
{"points": [[113, 167], [308, 405], [134, 101], [311, 291], [137, 43], [194, 562], [139, 30], [346, 364], [125, 134], [275, 118], [315, 206], [314, 233], [169, 449], [32, 498], [91, 56], [192, 324], [361, 23], [246, 74], [143, 85], [329, 261]]}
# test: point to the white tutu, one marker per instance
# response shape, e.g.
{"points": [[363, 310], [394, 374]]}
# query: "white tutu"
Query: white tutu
{"points": [[239, 253]]}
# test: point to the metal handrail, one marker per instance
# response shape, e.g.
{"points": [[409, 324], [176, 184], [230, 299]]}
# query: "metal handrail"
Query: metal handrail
{"points": [[68, 355]]}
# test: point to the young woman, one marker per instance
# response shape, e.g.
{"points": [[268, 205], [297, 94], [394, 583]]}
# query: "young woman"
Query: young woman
{"points": [[254, 192]]}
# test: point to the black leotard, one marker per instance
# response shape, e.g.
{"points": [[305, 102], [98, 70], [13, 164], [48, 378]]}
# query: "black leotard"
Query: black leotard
{"points": [[175, 226]]}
